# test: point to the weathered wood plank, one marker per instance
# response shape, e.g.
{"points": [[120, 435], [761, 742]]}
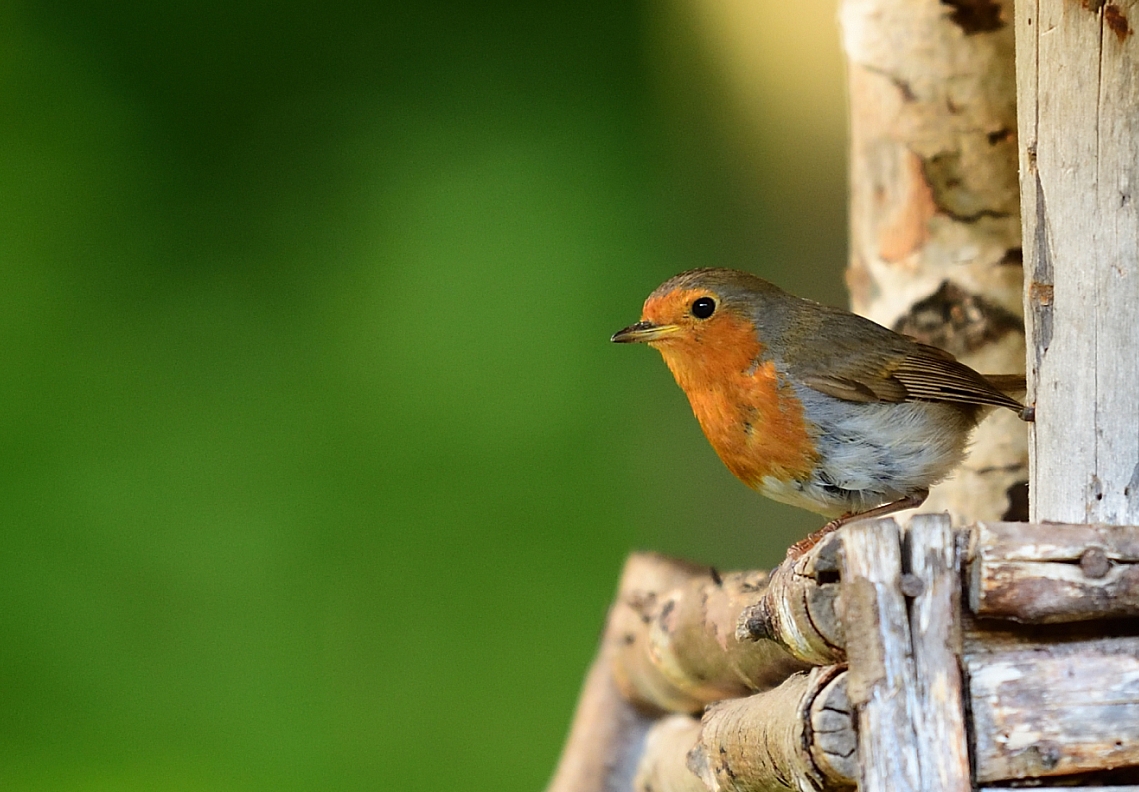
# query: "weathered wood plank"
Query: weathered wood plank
{"points": [[935, 628], [1048, 573], [881, 681], [1078, 85], [1004, 541], [1055, 710]]}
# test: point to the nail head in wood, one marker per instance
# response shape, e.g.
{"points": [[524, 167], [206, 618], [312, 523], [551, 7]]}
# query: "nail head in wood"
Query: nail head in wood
{"points": [[1095, 563], [912, 585]]}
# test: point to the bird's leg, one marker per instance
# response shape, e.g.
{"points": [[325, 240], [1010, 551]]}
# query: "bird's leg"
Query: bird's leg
{"points": [[911, 501]]}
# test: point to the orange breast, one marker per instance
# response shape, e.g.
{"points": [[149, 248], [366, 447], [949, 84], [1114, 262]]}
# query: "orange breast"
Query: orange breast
{"points": [[751, 418]]}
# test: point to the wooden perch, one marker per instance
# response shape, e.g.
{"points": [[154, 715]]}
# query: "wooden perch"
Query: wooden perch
{"points": [[904, 677], [796, 737], [1052, 572], [692, 639], [1043, 704], [677, 648], [798, 607]]}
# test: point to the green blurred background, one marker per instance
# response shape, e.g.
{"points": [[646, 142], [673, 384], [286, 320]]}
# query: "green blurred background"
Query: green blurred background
{"points": [[319, 469]]}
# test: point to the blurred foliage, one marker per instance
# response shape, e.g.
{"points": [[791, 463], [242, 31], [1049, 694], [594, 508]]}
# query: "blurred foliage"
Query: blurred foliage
{"points": [[318, 468]]}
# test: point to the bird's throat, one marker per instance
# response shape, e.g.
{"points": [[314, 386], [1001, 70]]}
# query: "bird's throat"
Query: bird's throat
{"points": [[748, 413]]}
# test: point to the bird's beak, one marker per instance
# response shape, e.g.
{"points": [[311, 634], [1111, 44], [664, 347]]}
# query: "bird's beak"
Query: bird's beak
{"points": [[643, 333]]}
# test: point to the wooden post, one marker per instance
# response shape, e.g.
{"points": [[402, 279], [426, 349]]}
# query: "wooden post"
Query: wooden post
{"points": [[903, 641], [935, 249], [1078, 89], [882, 683]]}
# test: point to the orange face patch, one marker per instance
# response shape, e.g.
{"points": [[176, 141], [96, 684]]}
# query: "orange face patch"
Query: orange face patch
{"points": [[750, 416]]}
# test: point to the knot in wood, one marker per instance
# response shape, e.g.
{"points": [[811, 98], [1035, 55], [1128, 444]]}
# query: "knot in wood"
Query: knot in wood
{"points": [[755, 625], [1094, 563]]}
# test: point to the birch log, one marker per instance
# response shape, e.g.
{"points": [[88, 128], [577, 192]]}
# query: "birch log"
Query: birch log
{"points": [[796, 737], [935, 229], [675, 629], [1078, 87], [606, 737]]}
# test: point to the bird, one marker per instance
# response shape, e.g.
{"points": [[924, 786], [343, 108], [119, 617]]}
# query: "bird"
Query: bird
{"points": [[812, 405]]}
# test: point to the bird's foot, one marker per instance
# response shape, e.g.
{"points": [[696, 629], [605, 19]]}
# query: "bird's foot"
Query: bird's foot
{"points": [[803, 545], [911, 501]]}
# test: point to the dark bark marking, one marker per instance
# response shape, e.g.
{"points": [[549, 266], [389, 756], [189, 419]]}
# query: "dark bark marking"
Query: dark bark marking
{"points": [[976, 16]]}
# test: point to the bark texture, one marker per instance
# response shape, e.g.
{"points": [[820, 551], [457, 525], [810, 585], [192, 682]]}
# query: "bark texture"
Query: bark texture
{"points": [[763, 743], [1052, 572], [797, 609], [1056, 710], [676, 644]]}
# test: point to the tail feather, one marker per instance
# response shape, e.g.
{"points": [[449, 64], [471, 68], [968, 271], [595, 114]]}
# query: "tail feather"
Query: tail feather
{"points": [[1013, 385]]}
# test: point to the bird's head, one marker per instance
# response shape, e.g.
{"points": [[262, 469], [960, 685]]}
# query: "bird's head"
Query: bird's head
{"points": [[703, 320]]}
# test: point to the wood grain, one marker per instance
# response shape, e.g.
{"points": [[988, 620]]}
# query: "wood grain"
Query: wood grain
{"points": [[797, 609], [766, 742], [881, 680], [1050, 573], [935, 629], [1078, 85], [1055, 710]]}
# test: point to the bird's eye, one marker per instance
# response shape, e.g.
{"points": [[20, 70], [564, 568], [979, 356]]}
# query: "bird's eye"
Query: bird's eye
{"points": [[703, 307]]}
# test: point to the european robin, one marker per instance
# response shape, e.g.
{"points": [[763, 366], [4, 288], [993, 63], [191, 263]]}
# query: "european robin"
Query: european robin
{"points": [[812, 405]]}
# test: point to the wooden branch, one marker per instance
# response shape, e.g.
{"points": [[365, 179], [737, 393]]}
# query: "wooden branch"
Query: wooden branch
{"points": [[1079, 165], [935, 628], [677, 647], [1046, 573], [769, 742], [798, 608], [1055, 710], [605, 740], [882, 683], [663, 765], [935, 227], [692, 639], [645, 583]]}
